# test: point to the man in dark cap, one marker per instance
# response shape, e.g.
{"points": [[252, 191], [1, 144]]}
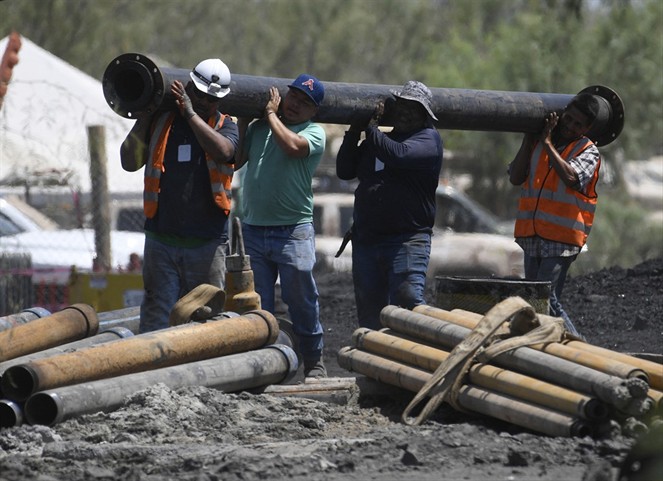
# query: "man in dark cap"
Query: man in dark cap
{"points": [[281, 151], [394, 207]]}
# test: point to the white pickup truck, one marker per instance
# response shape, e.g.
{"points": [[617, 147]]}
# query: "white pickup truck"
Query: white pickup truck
{"points": [[467, 240]]}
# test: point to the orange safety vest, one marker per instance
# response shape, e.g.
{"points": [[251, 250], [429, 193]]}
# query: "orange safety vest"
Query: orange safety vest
{"points": [[551, 210], [220, 176]]}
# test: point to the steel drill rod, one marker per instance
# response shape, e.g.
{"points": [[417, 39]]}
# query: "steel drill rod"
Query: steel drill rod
{"points": [[128, 317], [23, 317], [519, 386], [653, 369], [72, 323], [106, 336], [152, 350], [584, 358], [133, 84], [471, 398], [235, 372], [610, 389]]}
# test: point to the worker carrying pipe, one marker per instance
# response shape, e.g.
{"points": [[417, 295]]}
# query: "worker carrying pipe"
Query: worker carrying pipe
{"points": [[134, 84]]}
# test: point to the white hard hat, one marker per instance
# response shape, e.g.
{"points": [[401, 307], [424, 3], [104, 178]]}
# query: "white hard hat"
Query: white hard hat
{"points": [[212, 76]]}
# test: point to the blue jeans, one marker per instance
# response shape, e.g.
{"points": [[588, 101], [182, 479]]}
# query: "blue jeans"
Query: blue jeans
{"points": [[288, 252], [171, 272], [553, 270], [392, 272]]}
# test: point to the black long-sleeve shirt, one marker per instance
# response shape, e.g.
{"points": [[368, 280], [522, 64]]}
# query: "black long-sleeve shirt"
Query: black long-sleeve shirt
{"points": [[398, 175]]}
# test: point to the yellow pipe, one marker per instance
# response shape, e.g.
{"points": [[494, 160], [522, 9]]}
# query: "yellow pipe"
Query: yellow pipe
{"points": [[654, 370], [72, 323], [563, 351], [471, 398], [143, 352], [486, 376]]}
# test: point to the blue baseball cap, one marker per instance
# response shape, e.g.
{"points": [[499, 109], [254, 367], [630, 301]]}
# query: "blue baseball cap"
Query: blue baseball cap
{"points": [[311, 86]]}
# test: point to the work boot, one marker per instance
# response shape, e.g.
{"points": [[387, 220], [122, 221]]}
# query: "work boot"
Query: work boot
{"points": [[314, 368]]}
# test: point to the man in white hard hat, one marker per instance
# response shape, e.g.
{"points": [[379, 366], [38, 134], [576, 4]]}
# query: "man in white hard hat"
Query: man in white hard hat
{"points": [[188, 156]]}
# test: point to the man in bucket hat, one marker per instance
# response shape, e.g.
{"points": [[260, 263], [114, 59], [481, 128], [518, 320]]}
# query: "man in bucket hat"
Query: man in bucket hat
{"points": [[394, 208], [281, 151], [188, 155]]}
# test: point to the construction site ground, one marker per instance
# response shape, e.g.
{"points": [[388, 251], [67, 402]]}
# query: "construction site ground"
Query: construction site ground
{"points": [[202, 434]]}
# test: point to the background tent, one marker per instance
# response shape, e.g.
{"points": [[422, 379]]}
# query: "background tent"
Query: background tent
{"points": [[44, 120]]}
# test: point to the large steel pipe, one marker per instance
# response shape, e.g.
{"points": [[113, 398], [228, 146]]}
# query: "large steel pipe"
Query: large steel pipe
{"points": [[72, 323], [472, 398], [23, 317], [270, 365], [134, 84], [152, 350], [624, 394], [499, 380], [600, 363], [106, 336]]}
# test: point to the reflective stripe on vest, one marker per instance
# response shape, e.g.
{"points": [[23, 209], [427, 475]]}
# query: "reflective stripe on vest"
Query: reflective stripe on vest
{"points": [[550, 209], [220, 176]]}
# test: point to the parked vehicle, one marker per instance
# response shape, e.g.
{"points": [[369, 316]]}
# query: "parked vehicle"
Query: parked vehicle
{"points": [[468, 240], [54, 251]]}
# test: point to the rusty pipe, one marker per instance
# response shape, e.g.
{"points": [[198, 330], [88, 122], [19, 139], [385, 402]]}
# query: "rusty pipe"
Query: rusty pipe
{"points": [[270, 365], [133, 84], [152, 350], [72, 323], [610, 389], [23, 317], [472, 398], [499, 380], [108, 335], [570, 353]]}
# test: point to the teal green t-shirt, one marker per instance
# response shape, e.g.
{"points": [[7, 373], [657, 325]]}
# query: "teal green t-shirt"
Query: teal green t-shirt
{"points": [[276, 189]]}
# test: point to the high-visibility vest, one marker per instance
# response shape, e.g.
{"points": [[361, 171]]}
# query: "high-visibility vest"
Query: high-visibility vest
{"points": [[551, 210], [220, 175]]}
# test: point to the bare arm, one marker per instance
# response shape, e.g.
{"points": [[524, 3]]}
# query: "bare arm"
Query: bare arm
{"points": [[293, 145], [242, 154], [561, 166], [519, 167], [219, 148]]}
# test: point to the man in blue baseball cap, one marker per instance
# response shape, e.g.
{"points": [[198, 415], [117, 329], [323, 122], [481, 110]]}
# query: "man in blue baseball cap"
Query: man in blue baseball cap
{"points": [[281, 151]]}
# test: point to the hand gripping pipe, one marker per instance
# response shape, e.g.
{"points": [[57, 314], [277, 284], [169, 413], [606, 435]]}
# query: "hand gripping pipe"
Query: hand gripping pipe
{"points": [[269, 365], [72, 323], [152, 350], [134, 85]]}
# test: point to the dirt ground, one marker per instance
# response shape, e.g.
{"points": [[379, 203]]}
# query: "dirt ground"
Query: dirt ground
{"points": [[203, 434]]}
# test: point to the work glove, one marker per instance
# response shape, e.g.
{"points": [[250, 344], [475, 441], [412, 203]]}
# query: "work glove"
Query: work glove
{"points": [[182, 100]]}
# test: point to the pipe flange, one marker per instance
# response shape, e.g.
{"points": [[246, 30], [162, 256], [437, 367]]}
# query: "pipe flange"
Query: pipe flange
{"points": [[611, 109]]}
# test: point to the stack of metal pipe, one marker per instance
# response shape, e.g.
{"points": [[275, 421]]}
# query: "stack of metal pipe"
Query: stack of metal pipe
{"points": [[59, 366], [566, 388]]}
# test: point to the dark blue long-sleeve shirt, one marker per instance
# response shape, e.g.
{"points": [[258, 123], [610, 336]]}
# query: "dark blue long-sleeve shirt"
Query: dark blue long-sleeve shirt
{"points": [[398, 175]]}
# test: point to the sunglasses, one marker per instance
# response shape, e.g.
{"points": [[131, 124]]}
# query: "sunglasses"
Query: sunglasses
{"points": [[203, 95]]}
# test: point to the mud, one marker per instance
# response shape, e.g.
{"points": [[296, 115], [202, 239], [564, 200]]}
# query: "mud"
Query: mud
{"points": [[203, 434]]}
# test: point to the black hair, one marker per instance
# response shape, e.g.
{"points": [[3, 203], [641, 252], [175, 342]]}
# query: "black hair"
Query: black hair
{"points": [[587, 104]]}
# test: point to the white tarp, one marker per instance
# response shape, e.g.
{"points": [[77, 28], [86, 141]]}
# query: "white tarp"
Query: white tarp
{"points": [[44, 120]]}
